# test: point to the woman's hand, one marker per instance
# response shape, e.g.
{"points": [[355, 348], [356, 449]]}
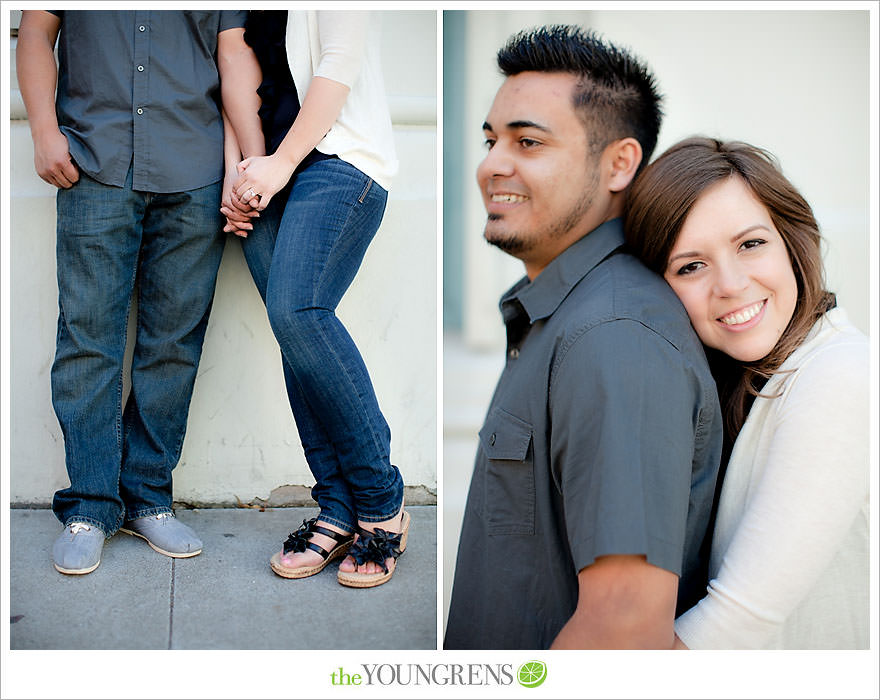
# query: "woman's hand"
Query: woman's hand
{"points": [[238, 214], [261, 178]]}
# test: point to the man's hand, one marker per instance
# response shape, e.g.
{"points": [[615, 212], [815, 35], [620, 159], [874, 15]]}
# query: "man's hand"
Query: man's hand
{"points": [[52, 159], [238, 213], [37, 78], [623, 603]]}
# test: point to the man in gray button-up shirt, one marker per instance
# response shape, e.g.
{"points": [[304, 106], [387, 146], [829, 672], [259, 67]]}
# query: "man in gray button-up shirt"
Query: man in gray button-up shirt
{"points": [[134, 142], [595, 475]]}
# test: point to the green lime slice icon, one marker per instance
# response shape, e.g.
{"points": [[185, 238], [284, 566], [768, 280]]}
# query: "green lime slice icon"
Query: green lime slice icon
{"points": [[532, 673]]}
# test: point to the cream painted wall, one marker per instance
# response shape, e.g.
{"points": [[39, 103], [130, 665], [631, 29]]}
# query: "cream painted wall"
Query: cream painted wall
{"points": [[241, 443]]}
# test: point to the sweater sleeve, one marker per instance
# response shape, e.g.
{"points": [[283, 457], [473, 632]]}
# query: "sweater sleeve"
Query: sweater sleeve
{"points": [[343, 37], [799, 510]]}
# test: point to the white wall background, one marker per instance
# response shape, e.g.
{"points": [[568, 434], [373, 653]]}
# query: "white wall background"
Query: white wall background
{"points": [[241, 442], [794, 82]]}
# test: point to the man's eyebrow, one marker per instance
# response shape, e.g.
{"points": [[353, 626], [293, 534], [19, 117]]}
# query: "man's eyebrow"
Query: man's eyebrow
{"points": [[526, 124], [519, 124]]}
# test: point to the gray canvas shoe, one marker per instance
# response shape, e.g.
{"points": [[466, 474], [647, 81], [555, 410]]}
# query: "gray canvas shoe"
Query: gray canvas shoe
{"points": [[166, 534], [78, 549]]}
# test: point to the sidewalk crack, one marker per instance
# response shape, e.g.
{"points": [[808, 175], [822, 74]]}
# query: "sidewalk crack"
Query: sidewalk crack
{"points": [[171, 608]]}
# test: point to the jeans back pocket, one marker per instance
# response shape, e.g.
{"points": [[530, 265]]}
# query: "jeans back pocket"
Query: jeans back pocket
{"points": [[510, 474]]}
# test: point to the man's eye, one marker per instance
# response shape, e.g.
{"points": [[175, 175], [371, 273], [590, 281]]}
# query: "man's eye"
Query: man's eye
{"points": [[488, 143], [529, 143]]}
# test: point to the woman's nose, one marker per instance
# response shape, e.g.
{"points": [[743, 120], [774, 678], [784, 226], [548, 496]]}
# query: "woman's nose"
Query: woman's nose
{"points": [[731, 279]]}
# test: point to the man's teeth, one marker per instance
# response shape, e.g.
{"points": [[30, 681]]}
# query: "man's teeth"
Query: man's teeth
{"points": [[508, 198], [746, 314]]}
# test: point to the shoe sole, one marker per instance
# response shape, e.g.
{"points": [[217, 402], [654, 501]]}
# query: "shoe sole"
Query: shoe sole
{"points": [[173, 555], [306, 571], [76, 572], [355, 580]]}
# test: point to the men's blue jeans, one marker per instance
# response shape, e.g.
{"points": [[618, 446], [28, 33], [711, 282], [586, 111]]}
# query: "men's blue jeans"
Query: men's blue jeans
{"points": [[111, 241], [303, 254]]}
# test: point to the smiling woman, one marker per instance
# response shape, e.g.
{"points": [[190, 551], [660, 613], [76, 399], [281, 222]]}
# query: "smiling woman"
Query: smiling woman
{"points": [[730, 268], [740, 247]]}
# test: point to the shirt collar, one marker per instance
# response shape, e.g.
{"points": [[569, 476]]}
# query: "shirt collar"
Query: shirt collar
{"points": [[541, 296]]}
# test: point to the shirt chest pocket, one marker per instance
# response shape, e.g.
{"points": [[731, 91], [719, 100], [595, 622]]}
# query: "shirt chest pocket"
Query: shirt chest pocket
{"points": [[510, 474]]}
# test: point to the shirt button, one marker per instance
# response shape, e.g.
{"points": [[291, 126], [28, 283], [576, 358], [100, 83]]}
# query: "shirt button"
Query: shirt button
{"points": [[492, 439], [141, 69], [514, 353], [140, 111], [142, 28]]}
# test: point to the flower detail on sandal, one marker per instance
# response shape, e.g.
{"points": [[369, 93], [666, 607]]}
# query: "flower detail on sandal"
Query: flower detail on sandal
{"points": [[300, 541], [376, 546], [297, 541]]}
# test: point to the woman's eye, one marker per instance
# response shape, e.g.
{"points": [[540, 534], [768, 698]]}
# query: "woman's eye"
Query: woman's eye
{"points": [[753, 243], [690, 268]]}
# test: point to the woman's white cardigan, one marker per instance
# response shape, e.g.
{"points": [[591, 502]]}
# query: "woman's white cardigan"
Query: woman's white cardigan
{"points": [[789, 561], [345, 46]]}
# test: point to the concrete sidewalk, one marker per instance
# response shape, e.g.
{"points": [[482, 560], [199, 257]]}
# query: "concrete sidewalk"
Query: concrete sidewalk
{"points": [[225, 598]]}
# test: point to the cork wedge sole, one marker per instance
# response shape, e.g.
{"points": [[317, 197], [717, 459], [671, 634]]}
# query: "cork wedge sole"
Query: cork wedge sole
{"points": [[339, 550], [354, 579]]}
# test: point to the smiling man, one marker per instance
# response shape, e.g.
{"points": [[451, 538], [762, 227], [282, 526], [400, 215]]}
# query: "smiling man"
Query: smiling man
{"points": [[595, 474]]}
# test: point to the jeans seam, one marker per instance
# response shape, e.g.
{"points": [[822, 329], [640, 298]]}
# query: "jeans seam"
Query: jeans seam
{"points": [[376, 443], [348, 527], [380, 518], [146, 512], [120, 414]]}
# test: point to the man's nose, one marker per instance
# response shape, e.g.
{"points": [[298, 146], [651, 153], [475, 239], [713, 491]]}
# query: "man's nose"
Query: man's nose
{"points": [[497, 163]]}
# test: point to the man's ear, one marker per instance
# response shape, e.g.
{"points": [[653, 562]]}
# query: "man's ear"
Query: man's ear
{"points": [[622, 159]]}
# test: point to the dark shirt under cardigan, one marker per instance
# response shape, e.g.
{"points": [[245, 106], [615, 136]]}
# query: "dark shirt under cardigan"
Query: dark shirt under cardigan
{"points": [[603, 437], [140, 88]]}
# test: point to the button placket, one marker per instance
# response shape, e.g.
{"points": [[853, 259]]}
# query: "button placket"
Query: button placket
{"points": [[141, 97]]}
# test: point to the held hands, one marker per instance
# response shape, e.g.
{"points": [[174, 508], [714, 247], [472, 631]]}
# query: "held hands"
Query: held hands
{"points": [[52, 160], [237, 212], [260, 178]]}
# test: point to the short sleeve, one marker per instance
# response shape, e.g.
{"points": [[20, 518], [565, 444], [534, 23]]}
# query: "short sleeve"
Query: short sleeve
{"points": [[232, 19], [624, 409], [343, 38]]}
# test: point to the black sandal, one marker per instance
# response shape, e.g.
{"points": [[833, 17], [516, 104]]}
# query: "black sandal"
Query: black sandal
{"points": [[299, 541], [376, 546]]}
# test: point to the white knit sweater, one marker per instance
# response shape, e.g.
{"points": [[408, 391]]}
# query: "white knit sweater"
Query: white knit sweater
{"points": [[344, 46], [789, 562]]}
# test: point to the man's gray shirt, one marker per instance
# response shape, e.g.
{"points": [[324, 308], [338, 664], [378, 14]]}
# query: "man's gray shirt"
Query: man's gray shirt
{"points": [[141, 88], [603, 437]]}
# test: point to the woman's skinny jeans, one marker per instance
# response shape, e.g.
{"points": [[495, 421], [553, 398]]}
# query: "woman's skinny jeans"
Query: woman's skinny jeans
{"points": [[303, 258]]}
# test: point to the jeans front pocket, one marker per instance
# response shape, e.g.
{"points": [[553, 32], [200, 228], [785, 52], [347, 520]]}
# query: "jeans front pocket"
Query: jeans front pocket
{"points": [[510, 474]]}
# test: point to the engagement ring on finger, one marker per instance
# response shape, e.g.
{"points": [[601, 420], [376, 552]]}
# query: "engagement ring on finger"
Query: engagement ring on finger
{"points": [[250, 194]]}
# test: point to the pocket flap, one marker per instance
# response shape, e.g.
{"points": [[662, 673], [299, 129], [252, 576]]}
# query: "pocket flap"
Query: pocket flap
{"points": [[504, 436]]}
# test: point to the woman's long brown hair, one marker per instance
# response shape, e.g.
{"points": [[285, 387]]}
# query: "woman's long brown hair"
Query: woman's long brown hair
{"points": [[657, 207]]}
